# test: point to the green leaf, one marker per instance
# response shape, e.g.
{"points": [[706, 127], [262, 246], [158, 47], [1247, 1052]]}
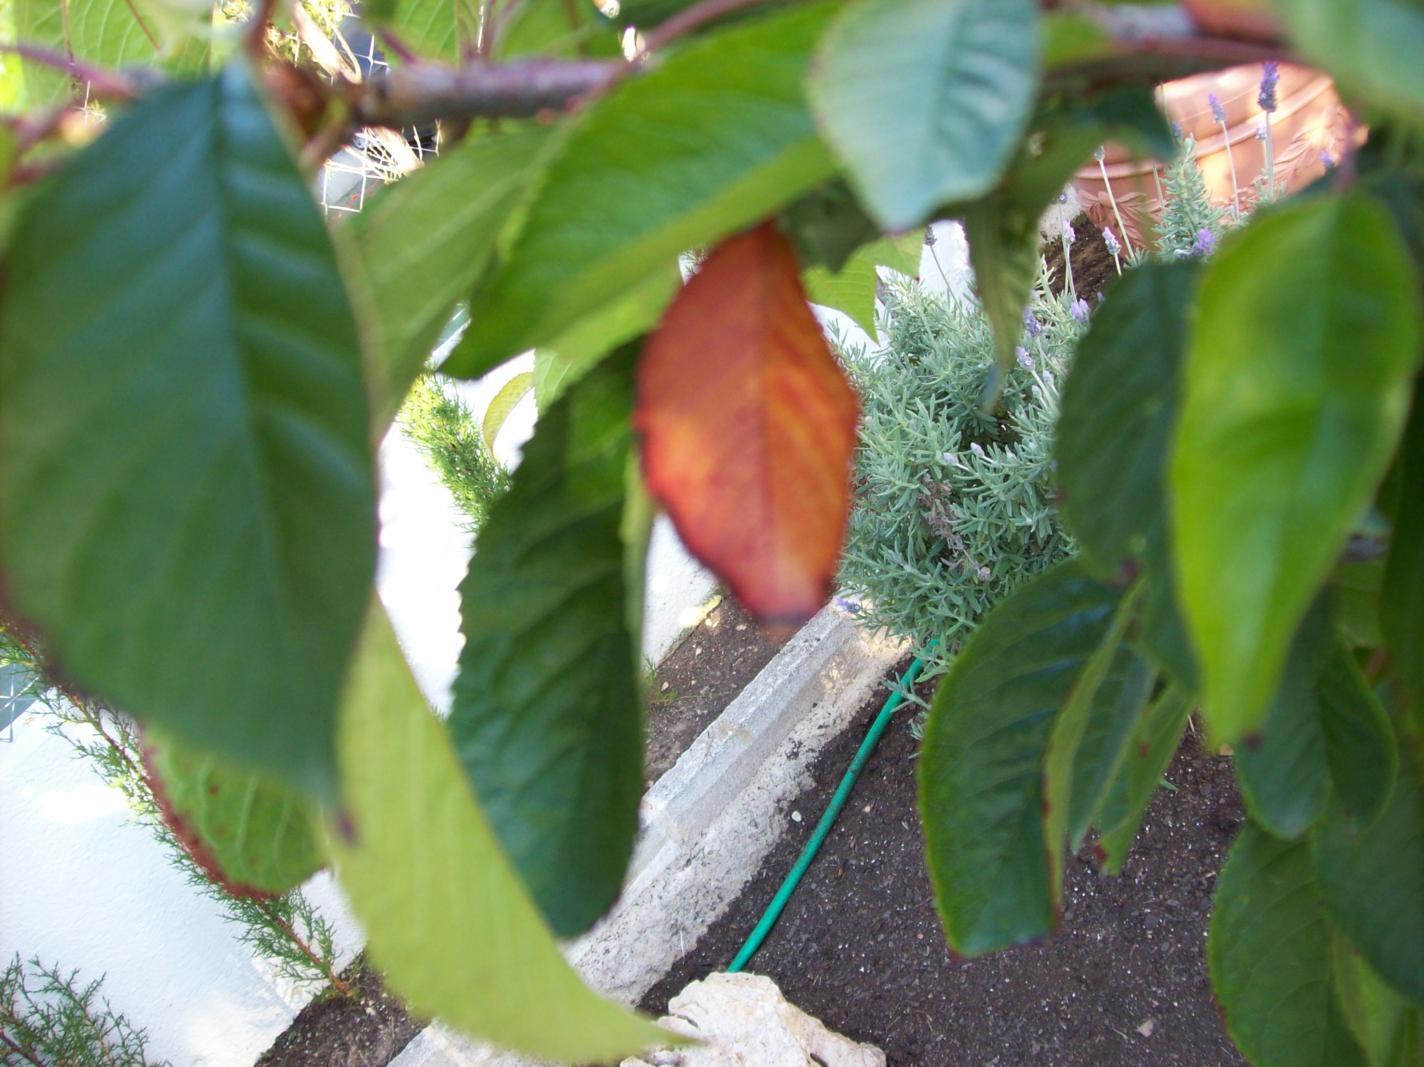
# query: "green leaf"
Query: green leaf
{"points": [[546, 716], [570, 356], [981, 769], [103, 33], [249, 833], [1118, 408], [1372, 881], [564, 29], [1088, 735], [1402, 597], [926, 100], [192, 522], [433, 29], [447, 920], [1383, 1022], [1355, 593], [1284, 778], [1359, 741], [1269, 951], [1117, 710], [425, 242], [713, 139], [1372, 47], [1003, 229], [852, 288], [510, 394], [1296, 390], [1154, 742]]}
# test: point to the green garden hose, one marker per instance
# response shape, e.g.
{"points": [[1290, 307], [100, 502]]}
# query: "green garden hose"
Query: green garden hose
{"points": [[828, 819]]}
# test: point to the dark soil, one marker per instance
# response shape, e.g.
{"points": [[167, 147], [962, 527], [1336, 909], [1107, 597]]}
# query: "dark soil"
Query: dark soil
{"points": [[1093, 266], [699, 678], [1123, 983], [366, 1030]]}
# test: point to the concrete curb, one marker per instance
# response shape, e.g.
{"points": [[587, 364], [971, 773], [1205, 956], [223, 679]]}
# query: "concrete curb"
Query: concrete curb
{"points": [[708, 823]]}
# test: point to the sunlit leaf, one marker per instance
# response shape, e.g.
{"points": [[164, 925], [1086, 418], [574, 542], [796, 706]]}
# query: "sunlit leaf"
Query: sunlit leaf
{"points": [[447, 920], [710, 140], [1296, 391], [248, 833]]}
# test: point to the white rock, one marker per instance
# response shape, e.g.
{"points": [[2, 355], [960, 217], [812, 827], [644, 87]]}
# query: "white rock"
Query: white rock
{"points": [[743, 1020]]}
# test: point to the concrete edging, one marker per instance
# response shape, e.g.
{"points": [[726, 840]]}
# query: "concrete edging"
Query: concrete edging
{"points": [[707, 824]]}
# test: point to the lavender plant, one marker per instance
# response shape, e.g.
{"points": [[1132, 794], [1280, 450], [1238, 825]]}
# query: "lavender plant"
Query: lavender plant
{"points": [[953, 505], [1190, 222]]}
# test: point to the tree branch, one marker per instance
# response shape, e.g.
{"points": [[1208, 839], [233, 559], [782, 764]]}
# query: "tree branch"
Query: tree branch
{"points": [[420, 93]]}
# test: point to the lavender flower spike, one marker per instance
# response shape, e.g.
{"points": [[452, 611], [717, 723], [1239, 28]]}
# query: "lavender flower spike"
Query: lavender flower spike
{"points": [[1025, 360], [1327, 159], [1031, 323], [1204, 244], [1270, 79], [1217, 111], [1110, 239], [1080, 309], [1068, 234]]}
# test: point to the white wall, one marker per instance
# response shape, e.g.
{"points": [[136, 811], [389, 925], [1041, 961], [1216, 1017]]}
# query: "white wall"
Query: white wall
{"points": [[82, 886]]}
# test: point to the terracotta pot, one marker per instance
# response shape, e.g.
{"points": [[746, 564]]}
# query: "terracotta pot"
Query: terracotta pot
{"points": [[1309, 121]]}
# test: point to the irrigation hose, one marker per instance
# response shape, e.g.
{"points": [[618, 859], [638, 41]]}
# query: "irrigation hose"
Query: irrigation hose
{"points": [[828, 819]]}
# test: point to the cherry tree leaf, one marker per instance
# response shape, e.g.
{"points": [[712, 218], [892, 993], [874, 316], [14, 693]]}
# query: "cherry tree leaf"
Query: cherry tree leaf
{"points": [[748, 427]]}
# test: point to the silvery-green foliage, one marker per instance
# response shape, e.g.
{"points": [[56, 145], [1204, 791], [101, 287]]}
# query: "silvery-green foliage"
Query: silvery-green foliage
{"points": [[953, 505]]}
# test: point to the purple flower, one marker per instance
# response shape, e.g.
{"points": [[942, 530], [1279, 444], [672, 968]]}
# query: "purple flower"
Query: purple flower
{"points": [[1261, 131], [1217, 111], [1079, 309], [1204, 244], [1110, 239], [1031, 323], [1025, 360], [1327, 160], [1068, 234], [977, 449], [1270, 78]]}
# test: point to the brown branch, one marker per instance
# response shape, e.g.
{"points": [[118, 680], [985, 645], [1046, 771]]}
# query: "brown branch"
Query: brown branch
{"points": [[105, 83], [1156, 44], [420, 93], [26, 1052], [338, 983]]}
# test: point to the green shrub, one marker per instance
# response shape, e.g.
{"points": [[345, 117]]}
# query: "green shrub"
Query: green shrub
{"points": [[953, 505]]}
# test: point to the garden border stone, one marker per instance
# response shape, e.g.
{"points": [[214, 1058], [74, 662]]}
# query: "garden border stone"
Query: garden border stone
{"points": [[709, 821]]}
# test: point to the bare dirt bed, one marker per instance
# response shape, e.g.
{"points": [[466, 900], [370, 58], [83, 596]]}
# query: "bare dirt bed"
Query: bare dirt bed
{"points": [[1123, 984], [699, 678]]}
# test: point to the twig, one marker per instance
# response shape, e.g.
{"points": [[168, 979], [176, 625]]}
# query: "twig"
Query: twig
{"points": [[689, 19], [392, 43], [337, 982], [102, 82], [421, 93], [19, 1050], [256, 39]]}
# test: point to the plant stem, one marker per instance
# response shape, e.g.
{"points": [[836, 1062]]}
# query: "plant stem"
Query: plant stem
{"points": [[1270, 162], [337, 982], [20, 1050], [1231, 160], [1068, 267], [1121, 226]]}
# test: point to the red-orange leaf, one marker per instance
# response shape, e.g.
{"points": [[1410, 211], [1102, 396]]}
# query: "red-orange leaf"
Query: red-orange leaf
{"points": [[748, 427]]}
